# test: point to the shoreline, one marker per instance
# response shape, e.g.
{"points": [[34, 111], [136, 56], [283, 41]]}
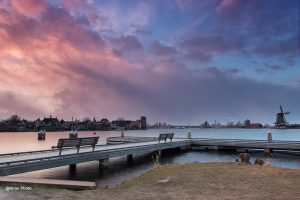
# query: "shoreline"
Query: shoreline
{"points": [[217, 180], [36, 131]]}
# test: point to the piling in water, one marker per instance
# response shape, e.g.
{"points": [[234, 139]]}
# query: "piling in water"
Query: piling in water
{"points": [[42, 135], [73, 135]]}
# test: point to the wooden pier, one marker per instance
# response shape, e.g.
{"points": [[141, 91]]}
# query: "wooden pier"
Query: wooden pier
{"points": [[211, 143], [264, 145], [21, 162]]}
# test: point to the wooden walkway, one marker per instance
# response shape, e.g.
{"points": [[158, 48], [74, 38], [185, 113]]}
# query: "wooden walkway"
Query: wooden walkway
{"points": [[15, 163], [248, 144], [36, 160], [222, 143]]}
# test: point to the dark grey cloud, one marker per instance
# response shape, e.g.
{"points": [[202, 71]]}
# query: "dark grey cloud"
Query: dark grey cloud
{"points": [[158, 49], [19, 104], [182, 99], [202, 47], [268, 28], [270, 68], [275, 67], [250, 28], [128, 47]]}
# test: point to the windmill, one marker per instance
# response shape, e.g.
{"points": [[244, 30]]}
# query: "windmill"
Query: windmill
{"points": [[280, 119]]}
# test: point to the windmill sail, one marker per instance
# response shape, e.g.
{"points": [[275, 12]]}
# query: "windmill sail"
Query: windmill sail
{"points": [[280, 118]]}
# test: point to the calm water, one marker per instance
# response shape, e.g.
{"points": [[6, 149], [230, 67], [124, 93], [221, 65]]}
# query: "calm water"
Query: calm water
{"points": [[118, 169]]}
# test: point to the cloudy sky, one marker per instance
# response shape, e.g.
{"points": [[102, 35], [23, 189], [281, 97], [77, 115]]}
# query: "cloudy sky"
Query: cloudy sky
{"points": [[178, 61]]}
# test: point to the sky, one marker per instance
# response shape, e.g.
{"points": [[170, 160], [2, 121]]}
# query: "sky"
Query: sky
{"points": [[175, 61]]}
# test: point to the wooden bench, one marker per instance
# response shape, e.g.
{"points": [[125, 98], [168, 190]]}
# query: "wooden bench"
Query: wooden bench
{"points": [[165, 136], [76, 142]]}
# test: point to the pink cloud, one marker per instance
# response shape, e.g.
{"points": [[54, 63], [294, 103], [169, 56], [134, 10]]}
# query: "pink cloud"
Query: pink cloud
{"points": [[60, 62], [226, 4], [77, 4], [29, 8]]}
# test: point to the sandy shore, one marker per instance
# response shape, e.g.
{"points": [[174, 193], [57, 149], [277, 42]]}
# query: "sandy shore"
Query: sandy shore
{"points": [[189, 181]]}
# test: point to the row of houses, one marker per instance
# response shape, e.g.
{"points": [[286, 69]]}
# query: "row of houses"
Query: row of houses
{"points": [[54, 124], [247, 124]]}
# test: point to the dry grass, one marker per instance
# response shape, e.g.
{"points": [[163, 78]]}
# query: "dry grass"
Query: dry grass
{"points": [[190, 181]]}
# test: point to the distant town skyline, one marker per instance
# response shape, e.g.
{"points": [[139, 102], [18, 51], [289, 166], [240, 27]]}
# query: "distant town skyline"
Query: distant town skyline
{"points": [[174, 61]]}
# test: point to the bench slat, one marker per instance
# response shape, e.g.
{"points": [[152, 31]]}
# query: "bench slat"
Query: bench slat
{"points": [[165, 136], [78, 142]]}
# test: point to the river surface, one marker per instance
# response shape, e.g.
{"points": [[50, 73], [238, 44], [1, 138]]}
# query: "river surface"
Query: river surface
{"points": [[117, 170]]}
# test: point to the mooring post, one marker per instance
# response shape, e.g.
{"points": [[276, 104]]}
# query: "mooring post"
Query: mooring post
{"points": [[269, 136], [73, 135], [189, 136], [42, 135], [269, 151]]}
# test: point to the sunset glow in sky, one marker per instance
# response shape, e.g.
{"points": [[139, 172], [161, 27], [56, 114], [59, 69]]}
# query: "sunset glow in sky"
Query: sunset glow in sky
{"points": [[179, 61]]}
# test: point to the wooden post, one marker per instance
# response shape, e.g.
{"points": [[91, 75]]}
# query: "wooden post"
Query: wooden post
{"points": [[189, 135], [269, 136], [101, 163], [42, 135], [60, 149], [268, 152], [129, 157], [72, 168]]}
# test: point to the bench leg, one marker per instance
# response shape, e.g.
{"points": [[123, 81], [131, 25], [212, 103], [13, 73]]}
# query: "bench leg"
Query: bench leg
{"points": [[60, 151], [78, 149], [165, 140], [93, 147]]}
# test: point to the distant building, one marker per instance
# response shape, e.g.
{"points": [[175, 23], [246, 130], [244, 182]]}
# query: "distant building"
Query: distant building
{"points": [[37, 123], [14, 123], [4, 126], [104, 124], [50, 124], [143, 123], [256, 125], [121, 124], [205, 125], [247, 123], [135, 125]]}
